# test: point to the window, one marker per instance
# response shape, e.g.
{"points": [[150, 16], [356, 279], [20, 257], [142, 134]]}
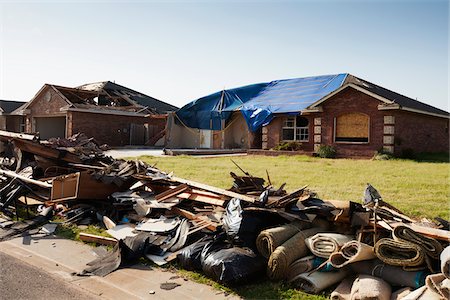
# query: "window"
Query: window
{"points": [[352, 128], [295, 129]]}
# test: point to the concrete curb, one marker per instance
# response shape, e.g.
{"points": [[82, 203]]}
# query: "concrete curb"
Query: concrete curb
{"points": [[61, 257]]}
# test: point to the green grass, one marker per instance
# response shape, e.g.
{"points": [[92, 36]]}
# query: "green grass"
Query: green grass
{"points": [[418, 188]]}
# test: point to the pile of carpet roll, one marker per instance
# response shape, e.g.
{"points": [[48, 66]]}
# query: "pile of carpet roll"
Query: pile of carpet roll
{"points": [[318, 256]]}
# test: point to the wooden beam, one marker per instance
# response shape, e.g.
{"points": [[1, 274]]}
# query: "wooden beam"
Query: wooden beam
{"points": [[25, 179], [191, 216], [435, 233], [171, 192], [23, 136], [201, 198], [91, 238], [213, 189]]}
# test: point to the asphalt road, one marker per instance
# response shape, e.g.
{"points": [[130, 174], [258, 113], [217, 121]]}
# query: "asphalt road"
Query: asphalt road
{"points": [[19, 280]]}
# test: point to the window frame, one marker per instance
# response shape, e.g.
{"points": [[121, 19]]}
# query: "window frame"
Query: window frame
{"points": [[295, 129], [348, 142]]}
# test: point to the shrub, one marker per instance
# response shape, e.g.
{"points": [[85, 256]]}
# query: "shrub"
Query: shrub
{"points": [[383, 155], [288, 146], [326, 151]]}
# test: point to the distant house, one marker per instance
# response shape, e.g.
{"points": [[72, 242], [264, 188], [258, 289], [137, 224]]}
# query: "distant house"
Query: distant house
{"points": [[109, 112], [9, 121], [355, 116]]}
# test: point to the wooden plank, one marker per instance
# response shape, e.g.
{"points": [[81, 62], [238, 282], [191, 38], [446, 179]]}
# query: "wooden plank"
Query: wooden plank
{"points": [[25, 179], [201, 198], [171, 192], [427, 231], [213, 189], [47, 152], [292, 195], [91, 238], [23, 136], [30, 200], [192, 216]]}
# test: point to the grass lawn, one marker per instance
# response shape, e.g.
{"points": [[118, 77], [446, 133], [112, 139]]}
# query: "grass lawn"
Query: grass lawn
{"points": [[419, 189]]}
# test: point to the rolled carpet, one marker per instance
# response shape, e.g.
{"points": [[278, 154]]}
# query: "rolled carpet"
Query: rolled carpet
{"points": [[343, 290], [431, 246], [268, 240], [324, 244], [316, 282], [400, 253], [400, 293], [369, 287], [445, 262], [422, 293], [287, 253], [438, 284], [351, 252], [395, 276], [306, 264]]}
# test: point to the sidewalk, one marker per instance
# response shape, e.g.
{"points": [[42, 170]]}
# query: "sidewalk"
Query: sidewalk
{"points": [[61, 257]]}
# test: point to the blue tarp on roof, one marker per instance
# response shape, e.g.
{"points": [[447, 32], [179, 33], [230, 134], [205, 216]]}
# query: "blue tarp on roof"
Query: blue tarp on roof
{"points": [[258, 102]]}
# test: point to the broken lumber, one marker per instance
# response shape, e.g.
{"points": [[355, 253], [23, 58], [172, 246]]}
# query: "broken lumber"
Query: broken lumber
{"points": [[213, 189], [25, 179], [23, 136], [92, 238], [191, 216], [171, 192], [435, 233]]}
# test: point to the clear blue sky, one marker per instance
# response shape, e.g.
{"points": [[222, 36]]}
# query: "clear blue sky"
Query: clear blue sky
{"points": [[178, 51]]}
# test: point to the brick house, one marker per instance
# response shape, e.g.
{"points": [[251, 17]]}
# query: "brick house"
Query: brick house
{"points": [[355, 116], [109, 112], [9, 121]]}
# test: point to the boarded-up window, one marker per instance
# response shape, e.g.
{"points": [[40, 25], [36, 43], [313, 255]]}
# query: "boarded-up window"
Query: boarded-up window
{"points": [[352, 127]]}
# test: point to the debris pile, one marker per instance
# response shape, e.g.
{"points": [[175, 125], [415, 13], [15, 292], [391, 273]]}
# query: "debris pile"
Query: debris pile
{"points": [[233, 236]]}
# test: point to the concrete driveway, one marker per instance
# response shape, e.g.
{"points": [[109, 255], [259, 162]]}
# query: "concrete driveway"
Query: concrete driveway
{"points": [[121, 153]]}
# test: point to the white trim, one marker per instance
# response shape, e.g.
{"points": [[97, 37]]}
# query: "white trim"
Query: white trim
{"points": [[120, 113], [314, 110], [397, 106], [424, 112], [388, 107]]}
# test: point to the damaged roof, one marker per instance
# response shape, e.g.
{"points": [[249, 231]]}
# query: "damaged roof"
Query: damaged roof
{"points": [[260, 102], [105, 97], [131, 96]]}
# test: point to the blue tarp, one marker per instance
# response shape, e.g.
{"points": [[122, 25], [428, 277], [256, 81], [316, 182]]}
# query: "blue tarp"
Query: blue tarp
{"points": [[258, 102]]}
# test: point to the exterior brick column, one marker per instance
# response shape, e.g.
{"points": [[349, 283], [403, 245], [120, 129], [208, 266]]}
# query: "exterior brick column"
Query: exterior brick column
{"points": [[388, 134], [317, 133]]}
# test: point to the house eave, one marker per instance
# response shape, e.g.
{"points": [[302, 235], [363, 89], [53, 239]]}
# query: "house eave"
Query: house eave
{"points": [[94, 111], [398, 107]]}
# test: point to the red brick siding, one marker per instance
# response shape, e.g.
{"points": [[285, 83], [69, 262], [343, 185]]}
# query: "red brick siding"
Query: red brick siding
{"points": [[47, 103], [352, 101], [113, 130], [274, 132], [421, 133]]}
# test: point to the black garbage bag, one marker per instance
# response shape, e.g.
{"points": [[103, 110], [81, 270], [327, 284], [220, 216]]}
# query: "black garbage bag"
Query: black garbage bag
{"points": [[189, 257], [233, 266], [243, 226]]}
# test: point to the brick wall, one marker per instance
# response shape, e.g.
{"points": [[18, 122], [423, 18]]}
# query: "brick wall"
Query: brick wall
{"points": [[47, 103], [352, 101], [420, 133], [113, 130]]}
